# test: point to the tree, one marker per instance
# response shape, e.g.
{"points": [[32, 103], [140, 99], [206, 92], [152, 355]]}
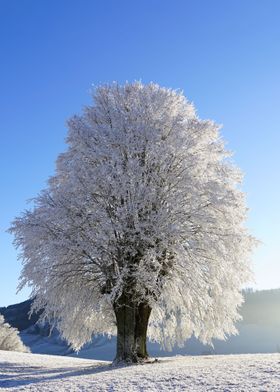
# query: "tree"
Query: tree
{"points": [[142, 224], [9, 338]]}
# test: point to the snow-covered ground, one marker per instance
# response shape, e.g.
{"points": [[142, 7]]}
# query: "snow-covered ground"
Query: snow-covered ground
{"points": [[33, 372]]}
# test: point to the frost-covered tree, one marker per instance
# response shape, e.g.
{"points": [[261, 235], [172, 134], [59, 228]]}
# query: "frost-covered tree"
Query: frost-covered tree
{"points": [[9, 338], [142, 227]]}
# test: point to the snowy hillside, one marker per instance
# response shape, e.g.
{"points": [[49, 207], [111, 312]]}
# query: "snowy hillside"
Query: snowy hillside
{"points": [[31, 372]]}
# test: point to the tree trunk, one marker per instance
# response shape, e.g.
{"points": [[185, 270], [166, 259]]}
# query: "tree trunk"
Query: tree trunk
{"points": [[132, 324], [141, 326]]}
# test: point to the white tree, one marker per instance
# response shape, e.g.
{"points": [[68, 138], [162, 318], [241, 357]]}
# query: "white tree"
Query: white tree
{"points": [[9, 338], [142, 224]]}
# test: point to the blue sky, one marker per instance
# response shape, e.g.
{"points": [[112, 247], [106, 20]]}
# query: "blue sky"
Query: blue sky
{"points": [[225, 55]]}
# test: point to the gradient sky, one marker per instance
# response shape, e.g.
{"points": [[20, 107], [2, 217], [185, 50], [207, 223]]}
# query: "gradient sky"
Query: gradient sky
{"points": [[225, 55]]}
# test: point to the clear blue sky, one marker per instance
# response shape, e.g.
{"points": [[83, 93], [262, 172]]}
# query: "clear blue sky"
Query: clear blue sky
{"points": [[225, 55]]}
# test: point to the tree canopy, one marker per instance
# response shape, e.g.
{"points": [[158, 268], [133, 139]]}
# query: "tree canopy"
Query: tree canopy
{"points": [[146, 204]]}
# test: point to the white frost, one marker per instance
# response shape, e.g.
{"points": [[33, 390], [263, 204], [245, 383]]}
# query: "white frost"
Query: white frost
{"points": [[144, 193], [9, 338]]}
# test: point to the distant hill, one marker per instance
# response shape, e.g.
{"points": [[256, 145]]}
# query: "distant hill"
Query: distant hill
{"points": [[259, 332], [18, 315], [261, 307]]}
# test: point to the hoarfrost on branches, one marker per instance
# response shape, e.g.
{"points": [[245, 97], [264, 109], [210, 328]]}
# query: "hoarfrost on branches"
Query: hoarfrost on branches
{"points": [[145, 202], [9, 338]]}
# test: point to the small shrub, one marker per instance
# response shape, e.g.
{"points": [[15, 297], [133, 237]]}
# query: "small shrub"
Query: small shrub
{"points": [[9, 338]]}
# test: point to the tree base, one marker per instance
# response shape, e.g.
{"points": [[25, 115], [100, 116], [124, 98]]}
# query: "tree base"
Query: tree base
{"points": [[135, 361]]}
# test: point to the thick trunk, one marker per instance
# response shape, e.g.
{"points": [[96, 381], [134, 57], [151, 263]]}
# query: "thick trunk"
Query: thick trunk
{"points": [[132, 323], [141, 326]]}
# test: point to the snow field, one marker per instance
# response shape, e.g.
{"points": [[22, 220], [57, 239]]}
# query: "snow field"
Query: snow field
{"points": [[33, 372]]}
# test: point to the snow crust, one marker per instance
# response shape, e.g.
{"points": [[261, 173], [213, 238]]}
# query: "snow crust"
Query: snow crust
{"points": [[33, 372]]}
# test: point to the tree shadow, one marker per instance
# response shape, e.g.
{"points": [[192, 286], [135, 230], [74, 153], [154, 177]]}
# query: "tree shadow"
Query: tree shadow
{"points": [[23, 375]]}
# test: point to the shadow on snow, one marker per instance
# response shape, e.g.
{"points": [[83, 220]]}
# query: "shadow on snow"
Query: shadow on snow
{"points": [[23, 375]]}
